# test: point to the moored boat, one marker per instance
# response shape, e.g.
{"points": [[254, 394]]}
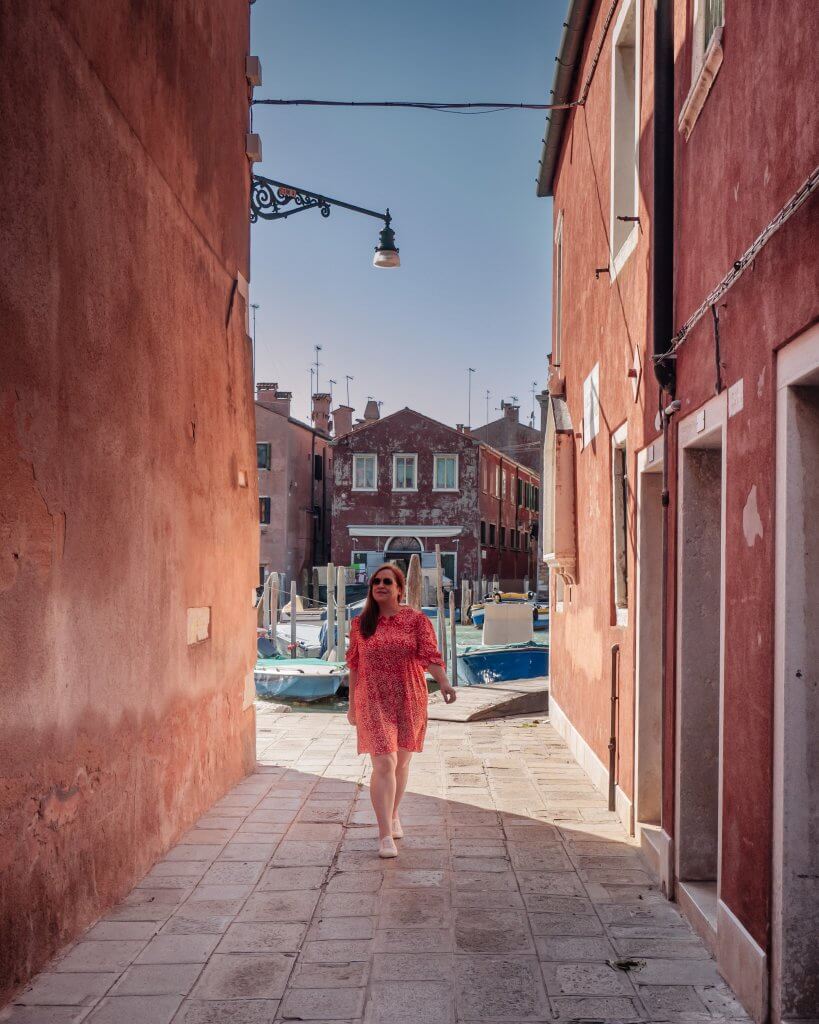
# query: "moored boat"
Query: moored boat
{"points": [[306, 679]]}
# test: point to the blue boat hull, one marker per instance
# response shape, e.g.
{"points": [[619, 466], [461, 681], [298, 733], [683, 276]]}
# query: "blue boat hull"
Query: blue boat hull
{"points": [[287, 679], [494, 666]]}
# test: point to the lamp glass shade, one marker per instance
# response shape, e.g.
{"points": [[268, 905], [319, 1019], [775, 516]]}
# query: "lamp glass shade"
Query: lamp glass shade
{"points": [[386, 258]]}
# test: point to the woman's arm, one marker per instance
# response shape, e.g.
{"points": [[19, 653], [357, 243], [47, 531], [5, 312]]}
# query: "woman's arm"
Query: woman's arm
{"points": [[351, 710], [438, 673]]}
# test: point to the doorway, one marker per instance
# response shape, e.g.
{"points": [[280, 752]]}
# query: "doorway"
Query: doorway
{"points": [[794, 976], [648, 750], [700, 634]]}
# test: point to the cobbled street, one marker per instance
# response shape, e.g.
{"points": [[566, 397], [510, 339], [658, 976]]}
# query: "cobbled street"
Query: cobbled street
{"points": [[516, 897]]}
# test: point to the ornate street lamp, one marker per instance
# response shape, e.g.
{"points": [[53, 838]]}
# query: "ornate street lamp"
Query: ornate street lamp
{"points": [[271, 200]]}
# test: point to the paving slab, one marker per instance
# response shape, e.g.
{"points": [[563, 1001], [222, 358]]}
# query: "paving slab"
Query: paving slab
{"points": [[513, 889]]}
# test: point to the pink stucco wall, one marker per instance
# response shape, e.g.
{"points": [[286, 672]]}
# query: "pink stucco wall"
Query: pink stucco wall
{"points": [[750, 149], [126, 417]]}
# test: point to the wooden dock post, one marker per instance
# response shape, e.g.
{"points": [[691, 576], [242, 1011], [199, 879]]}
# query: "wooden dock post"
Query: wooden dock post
{"points": [[273, 599], [415, 583], [453, 638], [331, 613], [439, 576], [294, 647], [341, 605]]}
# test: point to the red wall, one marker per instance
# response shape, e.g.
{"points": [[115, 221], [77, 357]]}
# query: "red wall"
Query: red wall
{"points": [[504, 562], [605, 321], [126, 417], [752, 146], [407, 431]]}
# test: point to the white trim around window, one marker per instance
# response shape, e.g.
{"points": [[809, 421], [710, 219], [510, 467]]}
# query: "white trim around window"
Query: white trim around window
{"points": [[369, 456], [624, 191], [414, 463], [438, 458]]}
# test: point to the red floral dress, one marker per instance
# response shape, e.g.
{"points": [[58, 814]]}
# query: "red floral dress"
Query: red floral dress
{"points": [[391, 688]]}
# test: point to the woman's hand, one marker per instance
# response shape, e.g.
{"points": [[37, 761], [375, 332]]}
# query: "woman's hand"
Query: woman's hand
{"points": [[351, 715], [449, 693]]}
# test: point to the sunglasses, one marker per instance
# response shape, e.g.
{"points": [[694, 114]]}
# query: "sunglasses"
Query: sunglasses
{"points": [[382, 581]]}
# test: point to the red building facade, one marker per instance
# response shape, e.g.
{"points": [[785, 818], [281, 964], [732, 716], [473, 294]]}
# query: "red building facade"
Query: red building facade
{"points": [[681, 525], [294, 464], [405, 483]]}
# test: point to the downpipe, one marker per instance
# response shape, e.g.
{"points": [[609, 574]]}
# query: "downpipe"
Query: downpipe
{"points": [[615, 680]]}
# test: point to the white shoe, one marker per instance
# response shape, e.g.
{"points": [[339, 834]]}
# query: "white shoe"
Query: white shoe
{"points": [[397, 831], [387, 847]]}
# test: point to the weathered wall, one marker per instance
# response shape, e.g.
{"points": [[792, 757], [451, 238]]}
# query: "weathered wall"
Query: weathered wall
{"points": [[507, 563], [605, 321], [286, 543], [515, 439], [126, 416], [748, 152], [407, 431]]}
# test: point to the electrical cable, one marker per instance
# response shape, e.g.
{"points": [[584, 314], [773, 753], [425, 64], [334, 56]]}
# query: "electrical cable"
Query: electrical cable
{"points": [[802, 194], [488, 108]]}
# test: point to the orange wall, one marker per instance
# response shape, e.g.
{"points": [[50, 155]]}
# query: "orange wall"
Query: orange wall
{"points": [[127, 414]]}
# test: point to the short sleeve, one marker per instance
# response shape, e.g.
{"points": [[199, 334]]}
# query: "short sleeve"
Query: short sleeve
{"points": [[352, 650], [428, 653]]}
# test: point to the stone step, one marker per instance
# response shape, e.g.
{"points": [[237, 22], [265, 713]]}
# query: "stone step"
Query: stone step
{"points": [[495, 700]]}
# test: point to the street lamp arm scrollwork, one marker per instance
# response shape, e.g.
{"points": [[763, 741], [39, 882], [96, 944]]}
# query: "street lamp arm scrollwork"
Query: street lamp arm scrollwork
{"points": [[275, 200]]}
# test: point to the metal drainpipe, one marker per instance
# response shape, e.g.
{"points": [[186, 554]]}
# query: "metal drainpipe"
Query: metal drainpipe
{"points": [[662, 253], [615, 656], [313, 524]]}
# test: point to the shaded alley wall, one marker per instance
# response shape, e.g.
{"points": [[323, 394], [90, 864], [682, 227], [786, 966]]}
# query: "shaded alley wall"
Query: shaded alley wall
{"points": [[127, 421]]}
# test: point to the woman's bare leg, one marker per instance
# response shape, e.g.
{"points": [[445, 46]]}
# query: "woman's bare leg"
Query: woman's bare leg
{"points": [[382, 791], [401, 777]]}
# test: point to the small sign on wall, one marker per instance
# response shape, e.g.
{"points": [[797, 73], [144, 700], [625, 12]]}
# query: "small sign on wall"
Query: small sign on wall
{"points": [[198, 625]]}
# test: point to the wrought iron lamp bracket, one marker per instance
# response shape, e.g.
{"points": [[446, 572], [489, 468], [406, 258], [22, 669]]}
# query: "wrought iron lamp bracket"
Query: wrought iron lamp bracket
{"points": [[269, 200]]}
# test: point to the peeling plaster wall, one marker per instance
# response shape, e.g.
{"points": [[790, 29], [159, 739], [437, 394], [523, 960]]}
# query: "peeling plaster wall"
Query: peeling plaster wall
{"points": [[749, 151], [406, 431], [126, 416]]}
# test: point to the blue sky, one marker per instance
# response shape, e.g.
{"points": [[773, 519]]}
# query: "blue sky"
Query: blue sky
{"points": [[474, 285]]}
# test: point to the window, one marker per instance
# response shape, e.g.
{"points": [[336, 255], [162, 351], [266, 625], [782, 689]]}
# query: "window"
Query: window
{"points": [[514, 542], [591, 405], [263, 456], [706, 59], [520, 492], [503, 484], [483, 532], [557, 336], [404, 475], [446, 473], [491, 535], [625, 134], [264, 509], [503, 536], [536, 499], [619, 495], [496, 491], [262, 574], [318, 467], [364, 472]]}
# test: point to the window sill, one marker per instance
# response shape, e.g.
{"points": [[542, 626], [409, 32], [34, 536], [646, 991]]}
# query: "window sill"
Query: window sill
{"points": [[622, 617], [365, 490], [701, 87], [446, 490]]}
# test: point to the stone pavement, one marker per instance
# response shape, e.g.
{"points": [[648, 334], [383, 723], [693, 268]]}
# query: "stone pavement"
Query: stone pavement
{"points": [[515, 897]]}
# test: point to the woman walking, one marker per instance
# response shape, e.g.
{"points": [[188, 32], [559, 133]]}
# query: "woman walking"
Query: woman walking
{"points": [[391, 648]]}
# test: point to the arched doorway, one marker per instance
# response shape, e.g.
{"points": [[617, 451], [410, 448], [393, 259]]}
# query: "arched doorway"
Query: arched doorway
{"points": [[401, 550]]}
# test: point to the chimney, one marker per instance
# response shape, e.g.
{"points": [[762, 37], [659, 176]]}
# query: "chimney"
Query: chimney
{"points": [[342, 420], [269, 397], [372, 412], [460, 428], [510, 411], [321, 412]]}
